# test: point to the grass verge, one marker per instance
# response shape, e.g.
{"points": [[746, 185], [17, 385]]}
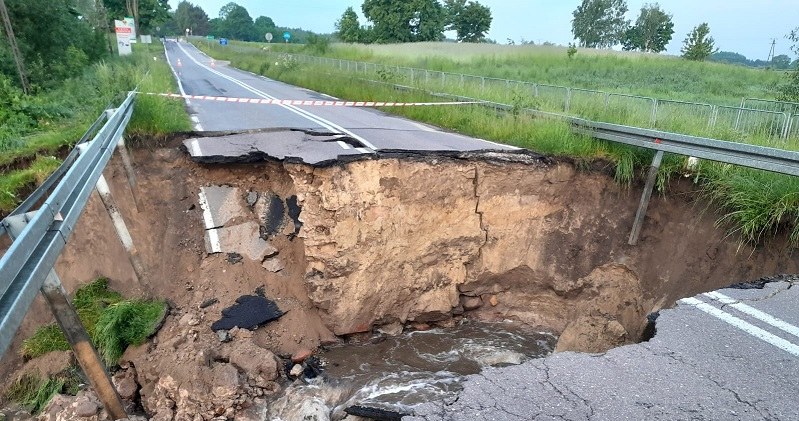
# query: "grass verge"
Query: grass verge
{"points": [[113, 322], [755, 204]]}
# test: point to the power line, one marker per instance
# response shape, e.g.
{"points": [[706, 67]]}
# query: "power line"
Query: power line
{"points": [[12, 41]]}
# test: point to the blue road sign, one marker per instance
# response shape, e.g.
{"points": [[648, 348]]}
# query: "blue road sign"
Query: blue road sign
{"points": [[286, 36], [222, 41]]}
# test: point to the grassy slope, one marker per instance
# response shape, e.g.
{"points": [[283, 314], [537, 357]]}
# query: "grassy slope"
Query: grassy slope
{"points": [[758, 204], [101, 86], [658, 76]]}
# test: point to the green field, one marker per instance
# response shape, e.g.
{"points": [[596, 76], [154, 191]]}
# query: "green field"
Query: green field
{"points": [[58, 117], [757, 204]]}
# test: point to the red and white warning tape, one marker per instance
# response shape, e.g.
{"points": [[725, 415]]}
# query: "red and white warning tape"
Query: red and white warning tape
{"points": [[310, 103]]}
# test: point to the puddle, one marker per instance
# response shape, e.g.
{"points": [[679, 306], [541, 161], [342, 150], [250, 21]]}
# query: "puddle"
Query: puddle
{"points": [[400, 372]]}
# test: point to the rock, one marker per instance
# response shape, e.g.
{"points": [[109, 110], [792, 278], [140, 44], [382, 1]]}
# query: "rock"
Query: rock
{"points": [[85, 407], [301, 355], [273, 264], [252, 198], [249, 312], [494, 301], [225, 381], [189, 319], [125, 384], [296, 370], [471, 303], [421, 326], [208, 303], [234, 258], [391, 329], [252, 359], [223, 335]]}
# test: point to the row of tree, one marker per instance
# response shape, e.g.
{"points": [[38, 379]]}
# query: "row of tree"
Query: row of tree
{"points": [[414, 21], [602, 24], [233, 21]]}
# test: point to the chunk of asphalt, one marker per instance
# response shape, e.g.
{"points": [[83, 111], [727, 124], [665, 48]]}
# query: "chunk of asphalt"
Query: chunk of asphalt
{"points": [[374, 413], [208, 303], [274, 217], [294, 211], [249, 312], [650, 330], [234, 258], [762, 282]]}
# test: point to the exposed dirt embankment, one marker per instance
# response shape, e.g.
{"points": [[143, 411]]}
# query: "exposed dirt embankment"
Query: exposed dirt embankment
{"points": [[509, 236], [383, 242]]}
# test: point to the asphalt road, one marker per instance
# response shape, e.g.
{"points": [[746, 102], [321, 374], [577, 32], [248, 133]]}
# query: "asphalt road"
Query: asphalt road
{"points": [[365, 129], [728, 355]]}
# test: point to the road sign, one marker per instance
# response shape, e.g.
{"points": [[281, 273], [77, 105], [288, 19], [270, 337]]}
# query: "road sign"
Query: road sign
{"points": [[222, 41], [209, 37], [286, 36], [269, 37], [124, 34]]}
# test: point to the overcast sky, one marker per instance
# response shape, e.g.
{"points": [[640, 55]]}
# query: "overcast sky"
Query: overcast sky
{"points": [[744, 26]]}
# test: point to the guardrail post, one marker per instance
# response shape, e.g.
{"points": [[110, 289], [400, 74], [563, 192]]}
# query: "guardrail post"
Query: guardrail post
{"points": [[654, 117], [127, 163], [121, 228], [74, 331], [647, 194], [567, 101], [67, 318]]}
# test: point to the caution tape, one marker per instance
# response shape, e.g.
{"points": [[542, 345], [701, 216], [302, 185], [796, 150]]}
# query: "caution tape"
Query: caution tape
{"points": [[312, 103]]}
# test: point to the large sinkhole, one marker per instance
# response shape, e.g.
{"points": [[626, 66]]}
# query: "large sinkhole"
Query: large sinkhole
{"points": [[398, 273]]}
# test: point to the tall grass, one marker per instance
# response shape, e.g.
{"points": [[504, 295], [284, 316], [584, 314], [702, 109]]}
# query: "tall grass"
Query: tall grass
{"points": [[79, 101], [756, 204], [112, 321]]}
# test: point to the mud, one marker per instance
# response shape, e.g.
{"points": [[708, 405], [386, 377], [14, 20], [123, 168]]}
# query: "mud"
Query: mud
{"points": [[388, 243]]}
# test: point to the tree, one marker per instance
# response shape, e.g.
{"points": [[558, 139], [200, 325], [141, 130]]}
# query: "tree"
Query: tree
{"points": [[405, 21], [151, 13], [54, 41], [699, 45], [781, 62], [348, 28], [652, 30], [236, 22], [262, 25], [193, 17], [789, 91], [470, 21], [600, 23]]}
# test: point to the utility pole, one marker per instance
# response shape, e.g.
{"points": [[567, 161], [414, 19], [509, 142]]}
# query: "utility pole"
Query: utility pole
{"points": [[12, 41], [773, 50], [102, 23]]}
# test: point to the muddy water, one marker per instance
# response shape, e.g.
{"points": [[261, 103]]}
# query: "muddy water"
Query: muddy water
{"points": [[397, 373]]}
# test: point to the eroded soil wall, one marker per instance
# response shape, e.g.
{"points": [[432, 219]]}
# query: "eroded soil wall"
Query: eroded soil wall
{"points": [[418, 239]]}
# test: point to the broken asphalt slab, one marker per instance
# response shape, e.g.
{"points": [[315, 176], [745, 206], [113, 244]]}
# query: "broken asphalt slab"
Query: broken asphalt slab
{"points": [[249, 312]]}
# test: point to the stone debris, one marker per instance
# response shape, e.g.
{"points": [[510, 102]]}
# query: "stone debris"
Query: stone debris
{"points": [[234, 258], [301, 355], [374, 413], [273, 264], [249, 312], [223, 335], [296, 370]]}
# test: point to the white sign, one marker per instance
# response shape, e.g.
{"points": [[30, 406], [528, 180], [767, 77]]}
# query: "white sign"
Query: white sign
{"points": [[146, 39], [132, 24], [123, 32], [268, 37]]}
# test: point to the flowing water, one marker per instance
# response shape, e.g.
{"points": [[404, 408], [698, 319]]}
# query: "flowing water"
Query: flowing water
{"points": [[402, 371]]}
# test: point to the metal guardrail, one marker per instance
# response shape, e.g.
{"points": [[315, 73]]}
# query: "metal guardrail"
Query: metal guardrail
{"points": [[39, 238], [752, 156]]}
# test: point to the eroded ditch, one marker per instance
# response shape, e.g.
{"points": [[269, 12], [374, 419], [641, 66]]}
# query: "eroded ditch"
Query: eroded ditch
{"points": [[393, 243]]}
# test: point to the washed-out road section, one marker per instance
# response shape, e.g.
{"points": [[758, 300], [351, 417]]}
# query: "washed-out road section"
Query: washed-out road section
{"points": [[733, 354]]}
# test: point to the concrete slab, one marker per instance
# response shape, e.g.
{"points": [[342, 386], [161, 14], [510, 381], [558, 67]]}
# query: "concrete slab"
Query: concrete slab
{"points": [[242, 238], [220, 205]]}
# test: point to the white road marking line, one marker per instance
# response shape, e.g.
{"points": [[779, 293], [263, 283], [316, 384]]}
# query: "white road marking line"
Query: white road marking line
{"points": [[213, 239], [344, 145], [743, 325], [757, 314], [316, 119], [180, 84], [197, 151], [363, 150], [423, 127]]}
